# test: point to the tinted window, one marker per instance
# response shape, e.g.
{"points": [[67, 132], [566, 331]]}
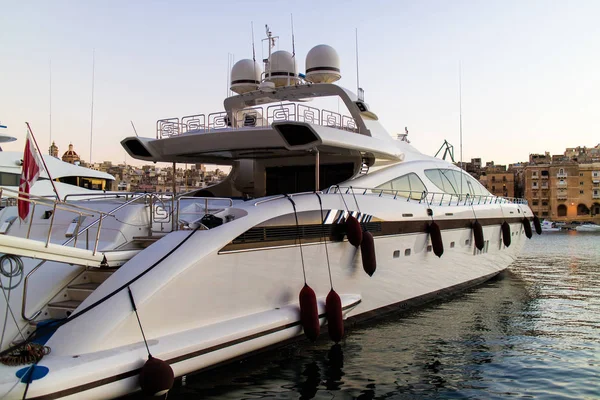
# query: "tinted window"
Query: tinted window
{"points": [[455, 182], [7, 179], [409, 185]]}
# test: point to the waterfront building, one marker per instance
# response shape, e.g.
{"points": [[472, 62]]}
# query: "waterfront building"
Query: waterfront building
{"points": [[563, 190], [498, 180]]}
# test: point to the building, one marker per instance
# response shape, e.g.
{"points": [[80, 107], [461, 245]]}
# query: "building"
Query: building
{"points": [[53, 151], [70, 155], [564, 191], [498, 180]]}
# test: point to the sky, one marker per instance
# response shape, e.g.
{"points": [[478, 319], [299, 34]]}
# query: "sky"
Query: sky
{"points": [[530, 70]]}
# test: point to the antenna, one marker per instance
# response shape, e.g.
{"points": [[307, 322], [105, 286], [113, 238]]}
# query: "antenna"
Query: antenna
{"points": [[270, 44], [359, 91], [293, 45], [50, 104], [135, 130], [460, 120], [253, 49], [92, 111]]}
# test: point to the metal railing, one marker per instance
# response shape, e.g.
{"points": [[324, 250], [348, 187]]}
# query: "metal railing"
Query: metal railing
{"points": [[254, 117], [431, 198]]}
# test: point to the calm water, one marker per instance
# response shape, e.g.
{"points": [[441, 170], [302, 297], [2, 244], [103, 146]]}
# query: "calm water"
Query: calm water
{"points": [[534, 333]]}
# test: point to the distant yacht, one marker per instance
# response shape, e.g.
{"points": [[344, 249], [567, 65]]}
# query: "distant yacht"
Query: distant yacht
{"points": [[70, 179]]}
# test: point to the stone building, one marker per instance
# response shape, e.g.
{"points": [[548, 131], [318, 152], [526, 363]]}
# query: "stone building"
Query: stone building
{"points": [[70, 155], [498, 180], [564, 191], [53, 151]]}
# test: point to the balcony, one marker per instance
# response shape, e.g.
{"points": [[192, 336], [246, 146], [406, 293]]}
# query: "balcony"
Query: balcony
{"points": [[562, 196], [562, 183], [534, 176], [544, 176], [596, 196], [559, 175]]}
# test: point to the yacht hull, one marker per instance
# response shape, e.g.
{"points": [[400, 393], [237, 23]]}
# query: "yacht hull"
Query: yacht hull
{"points": [[400, 282]]}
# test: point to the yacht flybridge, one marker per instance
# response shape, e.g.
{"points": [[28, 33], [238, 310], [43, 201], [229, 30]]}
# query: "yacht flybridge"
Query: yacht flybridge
{"points": [[324, 217]]}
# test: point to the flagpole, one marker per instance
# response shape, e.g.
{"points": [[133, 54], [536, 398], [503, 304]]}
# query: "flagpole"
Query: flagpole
{"points": [[43, 161]]}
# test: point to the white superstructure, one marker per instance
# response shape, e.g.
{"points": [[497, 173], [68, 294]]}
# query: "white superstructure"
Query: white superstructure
{"points": [[216, 274]]}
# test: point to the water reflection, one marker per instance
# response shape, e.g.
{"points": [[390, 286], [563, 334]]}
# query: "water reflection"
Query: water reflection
{"points": [[533, 332]]}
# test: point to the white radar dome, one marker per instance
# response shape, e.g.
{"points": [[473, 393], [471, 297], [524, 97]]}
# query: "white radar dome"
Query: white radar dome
{"points": [[322, 64], [245, 76], [284, 70]]}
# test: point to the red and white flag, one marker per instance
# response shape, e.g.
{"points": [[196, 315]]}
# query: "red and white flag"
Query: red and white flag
{"points": [[30, 174]]}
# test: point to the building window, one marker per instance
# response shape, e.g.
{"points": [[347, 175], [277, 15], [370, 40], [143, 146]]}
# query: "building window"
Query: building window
{"points": [[544, 213], [544, 173], [561, 171], [535, 184], [544, 203], [580, 183], [595, 174], [581, 174], [561, 210], [534, 202], [534, 174], [581, 192]]}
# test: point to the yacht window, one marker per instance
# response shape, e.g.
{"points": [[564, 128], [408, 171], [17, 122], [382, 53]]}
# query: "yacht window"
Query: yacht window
{"points": [[409, 185], [449, 181], [7, 179]]}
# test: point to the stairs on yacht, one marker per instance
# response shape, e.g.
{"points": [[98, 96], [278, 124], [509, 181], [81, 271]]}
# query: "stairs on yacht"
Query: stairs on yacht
{"points": [[65, 302]]}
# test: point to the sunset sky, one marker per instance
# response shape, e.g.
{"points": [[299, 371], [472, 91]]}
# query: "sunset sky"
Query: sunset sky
{"points": [[530, 69]]}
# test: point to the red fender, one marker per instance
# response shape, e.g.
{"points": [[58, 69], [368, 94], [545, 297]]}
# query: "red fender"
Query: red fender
{"points": [[478, 235], [367, 252], [436, 239], [354, 231], [335, 320], [527, 227], [309, 313], [506, 233], [156, 377]]}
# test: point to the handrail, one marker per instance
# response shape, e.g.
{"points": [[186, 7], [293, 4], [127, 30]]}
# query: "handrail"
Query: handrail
{"points": [[453, 199], [169, 127]]}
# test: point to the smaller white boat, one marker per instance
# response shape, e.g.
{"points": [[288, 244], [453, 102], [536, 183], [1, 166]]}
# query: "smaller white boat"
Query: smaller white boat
{"points": [[588, 227], [549, 226]]}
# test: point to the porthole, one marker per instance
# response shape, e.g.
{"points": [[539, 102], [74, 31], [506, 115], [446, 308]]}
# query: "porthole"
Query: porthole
{"points": [[451, 245], [407, 252], [396, 253]]}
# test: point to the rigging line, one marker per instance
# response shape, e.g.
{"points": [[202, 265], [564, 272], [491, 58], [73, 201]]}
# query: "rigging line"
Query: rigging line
{"points": [[325, 239], [298, 235], [138, 319], [9, 309], [342, 196], [356, 201], [48, 329]]}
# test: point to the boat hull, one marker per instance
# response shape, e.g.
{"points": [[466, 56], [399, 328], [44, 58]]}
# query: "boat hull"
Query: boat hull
{"points": [[401, 281]]}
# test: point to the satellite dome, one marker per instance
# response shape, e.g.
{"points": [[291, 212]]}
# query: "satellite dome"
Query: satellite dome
{"points": [[283, 69], [245, 76], [322, 64]]}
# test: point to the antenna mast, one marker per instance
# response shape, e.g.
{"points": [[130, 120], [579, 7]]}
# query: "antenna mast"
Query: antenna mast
{"points": [[293, 45], [460, 120], [92, 111], [359, 91], [270, 44], [50, 103]]}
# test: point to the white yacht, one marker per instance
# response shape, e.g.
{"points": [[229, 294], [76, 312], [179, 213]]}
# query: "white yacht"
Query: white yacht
{"points": [[588, 227], [198, 279], [70, 179]]}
